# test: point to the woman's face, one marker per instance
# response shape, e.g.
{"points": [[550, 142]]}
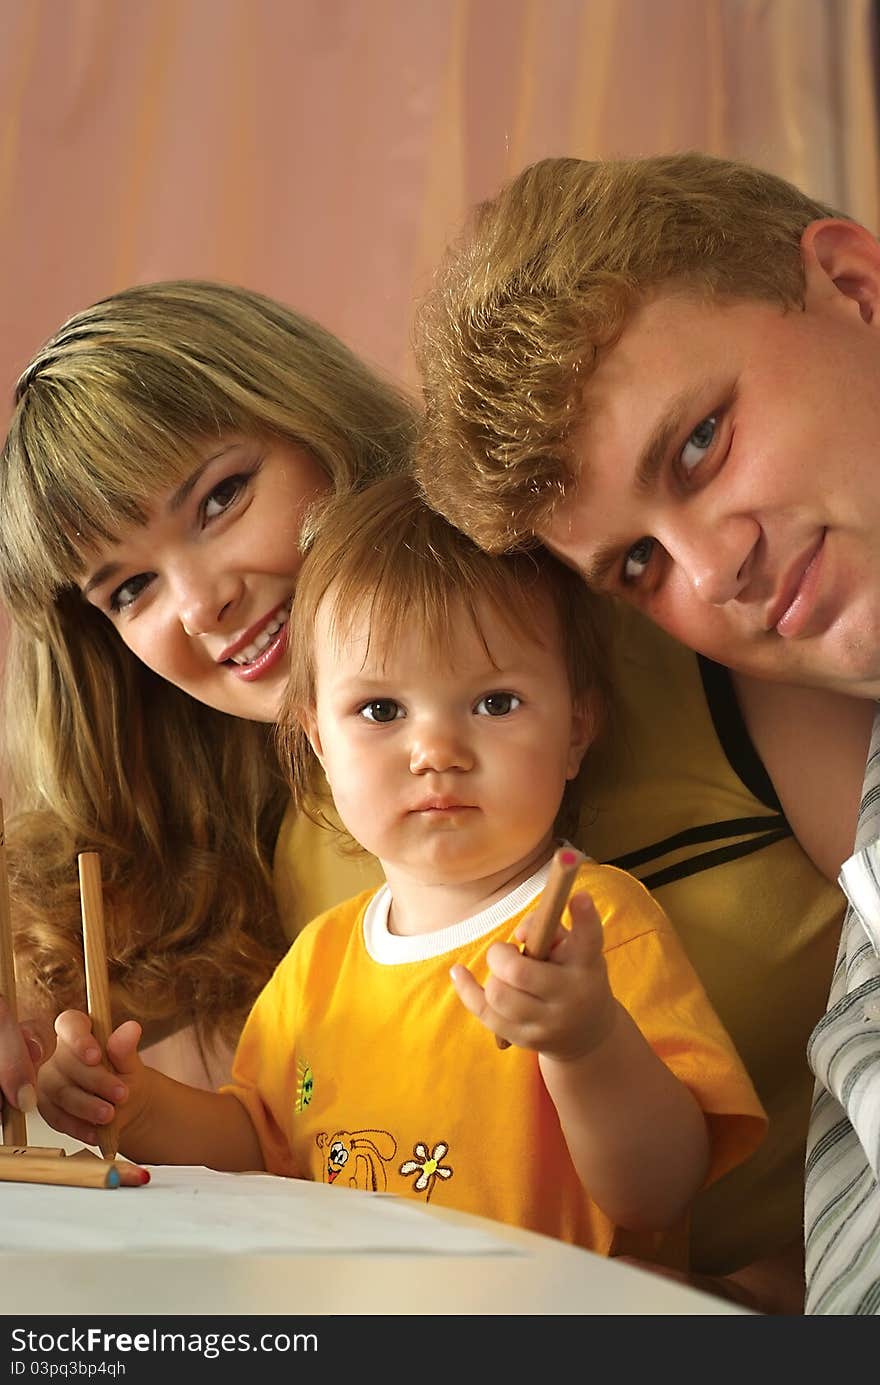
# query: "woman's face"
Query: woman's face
{"points": [[201, 592]]}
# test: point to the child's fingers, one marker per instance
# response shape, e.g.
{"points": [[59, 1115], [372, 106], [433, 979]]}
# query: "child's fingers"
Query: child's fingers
{"points": [[62, 1095], [65, 1072], [67, 1125], [74, 1029], [514, 969], [469, 991], [586, 924], [122, 1047], [477, 1001]]}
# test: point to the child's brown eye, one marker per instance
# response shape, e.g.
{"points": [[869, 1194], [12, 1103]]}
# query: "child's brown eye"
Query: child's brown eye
{"points": [[499, 704], [382, 710]]}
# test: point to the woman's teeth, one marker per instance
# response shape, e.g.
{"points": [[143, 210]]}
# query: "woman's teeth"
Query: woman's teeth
{"points": [[263, 640]]}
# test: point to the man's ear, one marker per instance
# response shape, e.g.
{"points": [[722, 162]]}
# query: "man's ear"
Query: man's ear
{"points": [[843, 256], [585, 723]]}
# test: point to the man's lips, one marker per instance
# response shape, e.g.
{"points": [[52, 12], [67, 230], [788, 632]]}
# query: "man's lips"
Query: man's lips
{"points": [[789, 610]]}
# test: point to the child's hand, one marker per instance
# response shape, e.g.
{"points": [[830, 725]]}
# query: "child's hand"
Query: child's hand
{"points": [[78, 1091], [563, 1007]]}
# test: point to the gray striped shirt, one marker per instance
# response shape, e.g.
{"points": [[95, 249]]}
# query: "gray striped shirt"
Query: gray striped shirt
{"points": [[842, 1199]]}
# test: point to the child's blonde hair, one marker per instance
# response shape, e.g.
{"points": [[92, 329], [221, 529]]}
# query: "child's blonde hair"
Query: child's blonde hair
{"points": [[385, 550], [544, 279]]}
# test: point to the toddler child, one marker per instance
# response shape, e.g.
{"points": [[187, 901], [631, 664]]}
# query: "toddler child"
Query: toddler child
{"points": [[449, 698]]}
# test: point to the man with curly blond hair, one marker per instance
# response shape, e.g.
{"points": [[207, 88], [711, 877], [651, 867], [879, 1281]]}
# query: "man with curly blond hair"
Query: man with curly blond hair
{"points": [[667, 370]]}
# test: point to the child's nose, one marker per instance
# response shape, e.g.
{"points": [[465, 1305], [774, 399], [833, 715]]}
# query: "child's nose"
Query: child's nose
{"points": [[439, 748]]}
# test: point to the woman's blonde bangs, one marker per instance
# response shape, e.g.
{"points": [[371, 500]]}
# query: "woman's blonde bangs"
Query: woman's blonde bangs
{"points": [[124, 441]]}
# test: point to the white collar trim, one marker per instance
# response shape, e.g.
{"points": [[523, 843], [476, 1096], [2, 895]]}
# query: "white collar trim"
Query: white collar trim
{"points": [[392, 950]]}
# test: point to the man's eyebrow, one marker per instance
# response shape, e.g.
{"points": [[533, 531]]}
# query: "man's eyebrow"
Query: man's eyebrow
{"points": [[656, 449], [647, 470]]}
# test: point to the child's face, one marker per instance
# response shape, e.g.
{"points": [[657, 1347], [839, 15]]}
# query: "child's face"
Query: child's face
{"points": [[448, 768]]}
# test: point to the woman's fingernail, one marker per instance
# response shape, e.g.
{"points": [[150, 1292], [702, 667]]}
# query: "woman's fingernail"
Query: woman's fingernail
{"points": [[91, 1053], [119, 1093], [34, 1046], [26, 1100]]}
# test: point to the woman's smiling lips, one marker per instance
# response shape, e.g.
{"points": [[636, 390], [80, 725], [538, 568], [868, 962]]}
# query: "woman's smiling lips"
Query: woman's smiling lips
{"points": [[792, 612], [264, 659]]}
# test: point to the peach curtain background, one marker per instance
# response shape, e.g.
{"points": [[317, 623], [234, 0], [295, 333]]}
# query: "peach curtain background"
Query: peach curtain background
{"points": [[323, 151]]}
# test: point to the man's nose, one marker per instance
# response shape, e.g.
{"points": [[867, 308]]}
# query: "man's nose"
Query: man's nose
{"points": [[204, 599], [716, 557], [439, 746]]}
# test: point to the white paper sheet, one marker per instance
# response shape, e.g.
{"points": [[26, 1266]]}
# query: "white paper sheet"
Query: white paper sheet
{"points": [[190, 1210]]}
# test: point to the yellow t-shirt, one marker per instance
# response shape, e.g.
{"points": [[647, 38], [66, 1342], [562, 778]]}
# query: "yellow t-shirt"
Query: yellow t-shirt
{"points": [[760, 927], [360, 1066]]}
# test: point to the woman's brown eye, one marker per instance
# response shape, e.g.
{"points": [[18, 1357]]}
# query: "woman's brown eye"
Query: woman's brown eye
{"points": [[223, 495]]}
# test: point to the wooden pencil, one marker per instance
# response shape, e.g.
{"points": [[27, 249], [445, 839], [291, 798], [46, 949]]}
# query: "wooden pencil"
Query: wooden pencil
{"points": [[14, 1121], [97, 980], [543, 923], [40, 1151], [69, 1173]]}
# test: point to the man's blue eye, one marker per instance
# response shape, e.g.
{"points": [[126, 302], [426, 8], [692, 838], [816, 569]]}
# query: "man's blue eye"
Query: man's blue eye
{"points": [[699, 442], [637, 560]]}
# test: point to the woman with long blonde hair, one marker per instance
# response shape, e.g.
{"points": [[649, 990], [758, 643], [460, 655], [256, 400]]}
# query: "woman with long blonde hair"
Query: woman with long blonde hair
{"points": [[164, 447]]}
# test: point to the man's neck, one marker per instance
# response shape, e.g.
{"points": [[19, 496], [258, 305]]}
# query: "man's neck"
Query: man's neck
{"points": [[422, 905]]}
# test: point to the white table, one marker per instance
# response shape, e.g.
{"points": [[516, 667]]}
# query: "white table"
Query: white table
{"points": [[519, 1272]]}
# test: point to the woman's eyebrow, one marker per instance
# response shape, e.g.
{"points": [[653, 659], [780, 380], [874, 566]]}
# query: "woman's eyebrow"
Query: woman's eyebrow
{"points": [[177, 499], [97, 579], [186, 487]]}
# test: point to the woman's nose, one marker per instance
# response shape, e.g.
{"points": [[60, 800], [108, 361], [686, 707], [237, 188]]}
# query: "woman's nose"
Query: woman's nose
{"points": [[205, 599]]}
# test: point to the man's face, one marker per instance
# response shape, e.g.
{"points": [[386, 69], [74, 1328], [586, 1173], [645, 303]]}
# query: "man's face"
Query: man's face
{"points": [[730, 481]]}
